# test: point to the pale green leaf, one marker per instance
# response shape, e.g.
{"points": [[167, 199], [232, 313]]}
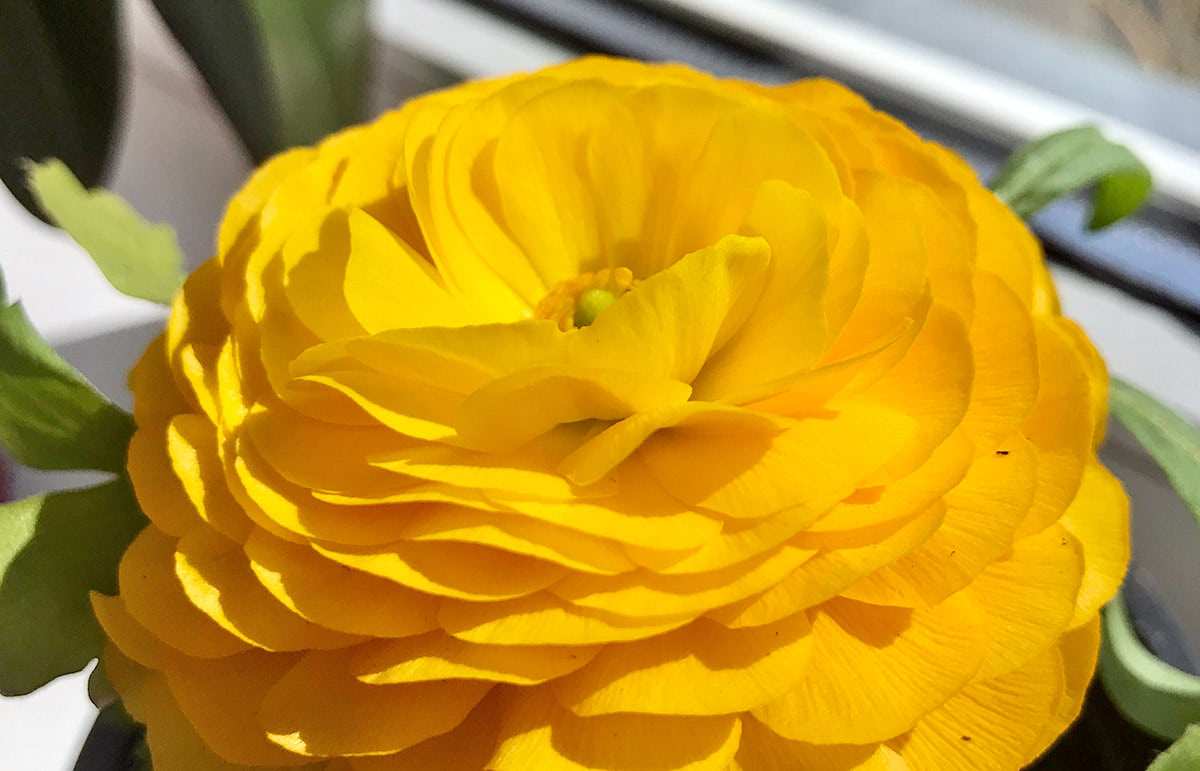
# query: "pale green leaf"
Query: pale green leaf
{"points": [[1183, 755], [1065, 161], [54, 549], [51, 417], [1173, 442], [1150, 693], [138, 258]]}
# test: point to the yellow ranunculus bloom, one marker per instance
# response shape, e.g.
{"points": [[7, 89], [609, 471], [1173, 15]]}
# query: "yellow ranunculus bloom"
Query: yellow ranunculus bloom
{"points": [[616, 417]]}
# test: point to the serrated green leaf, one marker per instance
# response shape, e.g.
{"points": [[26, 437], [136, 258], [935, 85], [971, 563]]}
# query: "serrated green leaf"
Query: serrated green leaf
{"points": [[138, 258], [51, 417], [1183, 755], [1065, 161], [1150, 693], [54, 549], [60, 73], [1173, 442]]}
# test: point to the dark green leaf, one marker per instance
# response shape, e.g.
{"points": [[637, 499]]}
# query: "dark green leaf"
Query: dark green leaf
{"points": [[1065, 161], [54, 549], [51, 417], [59, 75], [223, 41], [317, 54], [1183, 755], [1150, 693], [138, 258], [1171, 441], [100, 688], [286, 73]]}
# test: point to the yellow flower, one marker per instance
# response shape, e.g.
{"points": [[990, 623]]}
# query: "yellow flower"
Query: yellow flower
{"points": [[616, 417]]}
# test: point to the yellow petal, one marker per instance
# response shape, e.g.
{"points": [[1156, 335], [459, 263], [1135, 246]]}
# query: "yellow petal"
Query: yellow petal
{"points": [[756, 475], [459, 570], [1078, 650], [870, 677], [319, 708], [931, 385], [154, 596], [786, 332], [764, 750], [908, 495], [466, 748], [599, 455], [1028, 598], [982, 513], [221, 698], [314, 261], [701, 669], [130, 637], [989, 725], [520, 535], [537, 733], [335, 597], [896, 271], [289, 511], [216, 576], [1060, 426], [842, 560], [436, 656], [389, 285], [317, 455], [192, 446], [1006, 368], [672, 321], [525, 472], [509, 411], [173, 741], [637, 512], [1099, 519], [731, 166], [642, 594], [543, 619], [159, 491], [547, 187], [156, 397]]}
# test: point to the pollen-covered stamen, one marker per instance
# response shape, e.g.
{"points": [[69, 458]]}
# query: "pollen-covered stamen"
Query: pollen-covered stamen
{"points": [[577, 301]]}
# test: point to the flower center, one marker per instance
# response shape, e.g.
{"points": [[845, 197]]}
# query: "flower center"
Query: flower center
{"points": [[577, 301]]}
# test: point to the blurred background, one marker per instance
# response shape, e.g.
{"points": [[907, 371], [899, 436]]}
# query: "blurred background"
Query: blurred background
{"points": [[171, 103]]}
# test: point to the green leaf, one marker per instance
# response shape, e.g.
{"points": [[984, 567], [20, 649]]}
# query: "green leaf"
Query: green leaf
{"points": [[317, 56], [1150, 693], [51, 417], [286, 73], [1065, 161], [60, 65], [223, 41], [54, 549], [100, 688], [1183, 755], [138, 258], [1171, 441]]}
